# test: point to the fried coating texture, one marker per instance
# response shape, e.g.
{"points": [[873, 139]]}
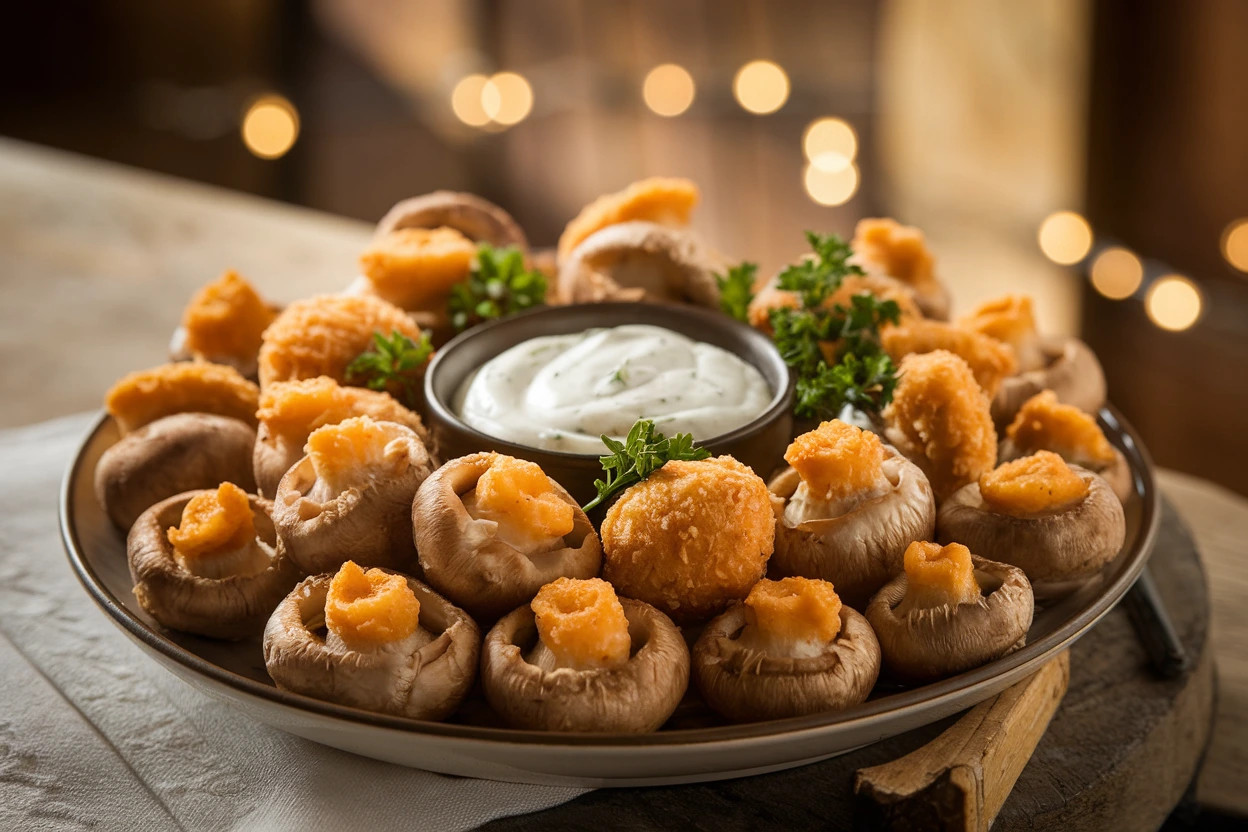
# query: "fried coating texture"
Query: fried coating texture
{"points": [[1033, 484], [415, 268], [226, 318], [321, 335], [899, 251], [690, 538], [937, 576], [371, 608], [293, 409], [1009, 319], [144, 396], [1044, 423], [520, 491], [990, 360], [213, 521], [666, 201], [940, 419], [582, 623], [836, 460], [794, 609]]}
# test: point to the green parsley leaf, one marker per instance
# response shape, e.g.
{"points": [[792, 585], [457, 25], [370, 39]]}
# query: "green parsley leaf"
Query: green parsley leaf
{"points": [[642, 452], [816, 277], [498, 284], [867, 384], [736, 290], [392, 362]]}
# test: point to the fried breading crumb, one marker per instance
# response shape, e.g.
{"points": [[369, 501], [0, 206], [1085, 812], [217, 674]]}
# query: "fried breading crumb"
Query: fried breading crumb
{"points": [[1044, 423], [415, 268], [900, 251], [144, 396], [1032, 484], [293, 409], [990, 360], [794, 609], [225, 319], [520, 491], [214, 521], [667, 201], [1009, 319], [938, 575], [355, 450], [367, 609], [836, 460], [582, 623]]}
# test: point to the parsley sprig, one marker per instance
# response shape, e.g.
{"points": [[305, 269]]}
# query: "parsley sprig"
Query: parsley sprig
{"points": [[814, 279], [736, 290], [392, 362], [498, 284], [642, 452]]}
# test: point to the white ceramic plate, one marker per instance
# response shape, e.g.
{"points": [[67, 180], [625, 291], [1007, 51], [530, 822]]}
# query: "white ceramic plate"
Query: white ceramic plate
{"points": [[234, 673]]}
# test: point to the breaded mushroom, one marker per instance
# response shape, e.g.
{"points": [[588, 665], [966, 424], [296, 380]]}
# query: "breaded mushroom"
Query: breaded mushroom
{"points": [[415, 268], [657, 199], [884, 246], [144, 396], [691, 538], [989, 359], [1009, 319], [477, 219], [223, 324], [939, 418]]}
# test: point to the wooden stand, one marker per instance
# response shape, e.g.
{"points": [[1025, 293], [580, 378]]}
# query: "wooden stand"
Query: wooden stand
{"points": [[1121, 749]]}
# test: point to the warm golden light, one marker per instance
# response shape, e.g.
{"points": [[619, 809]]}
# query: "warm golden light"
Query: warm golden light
{"points": [[1235, 244], [761, 87], [1065, 237], [831, 187], [830, 135], [1117, 273], [831, 161], [668, 90], [507, 98], [466, 100], [1173, 303], [270, 127]]}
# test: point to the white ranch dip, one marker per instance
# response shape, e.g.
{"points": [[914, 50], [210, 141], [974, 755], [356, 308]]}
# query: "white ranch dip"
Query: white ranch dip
{"points": [[560, 392]]}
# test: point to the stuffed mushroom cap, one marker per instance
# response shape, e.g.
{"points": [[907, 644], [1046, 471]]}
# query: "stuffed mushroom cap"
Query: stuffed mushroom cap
{"points": [[1071, 370], [374, 639], [662, 200], [1056, 522], [641, 261], [884, 246], [948, 612], [847, 510], [790, 649], [224, 323], [350, 498], [477, 219], [208, 562], [580, 659], [172, 455], [491, 530]]}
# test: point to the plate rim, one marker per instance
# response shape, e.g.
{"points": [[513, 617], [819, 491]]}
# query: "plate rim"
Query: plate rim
{"points": [[895, 707]]}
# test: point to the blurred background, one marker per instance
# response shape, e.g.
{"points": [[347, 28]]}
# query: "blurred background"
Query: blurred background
{"points": [[1089, 154]]}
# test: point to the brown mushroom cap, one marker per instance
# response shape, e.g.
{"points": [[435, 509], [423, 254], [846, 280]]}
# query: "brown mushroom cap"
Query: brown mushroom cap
{"points": [[1071, 370], [179, 453], [636, 697], [745, 684], [860, 550], [477, 219], [479, 572], [1117, 473], [428, 682], [929, 644], [1058, 546], [233, 607], [369, 523], [641, 261]]}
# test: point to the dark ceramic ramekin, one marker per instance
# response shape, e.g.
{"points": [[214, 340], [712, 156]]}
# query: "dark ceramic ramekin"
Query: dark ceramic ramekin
{"points": [[759, 444]]}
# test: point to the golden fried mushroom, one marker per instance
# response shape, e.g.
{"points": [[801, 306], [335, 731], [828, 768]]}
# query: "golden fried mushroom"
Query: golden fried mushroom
{"points": [[181, 387], [223, 324], [939, 418], [291, 410], [884, 246], [415, 268], [691, 538], [1009, 319], [321, 335], [657, 199], [989, 359]]}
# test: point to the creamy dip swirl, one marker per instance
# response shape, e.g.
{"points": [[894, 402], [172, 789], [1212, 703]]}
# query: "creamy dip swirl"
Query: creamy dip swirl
{"points": [[561, 392]]}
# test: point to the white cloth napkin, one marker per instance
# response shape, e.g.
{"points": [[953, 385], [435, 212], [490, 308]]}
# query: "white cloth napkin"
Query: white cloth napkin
{"points": [[93, 734]]}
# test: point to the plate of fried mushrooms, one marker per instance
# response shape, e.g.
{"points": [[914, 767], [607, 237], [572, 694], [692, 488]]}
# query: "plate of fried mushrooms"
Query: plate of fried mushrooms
{"points": [[621, 512]]}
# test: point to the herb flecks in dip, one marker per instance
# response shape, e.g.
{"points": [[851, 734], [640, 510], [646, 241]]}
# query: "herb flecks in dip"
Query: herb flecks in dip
{"points": [[561, 392]]}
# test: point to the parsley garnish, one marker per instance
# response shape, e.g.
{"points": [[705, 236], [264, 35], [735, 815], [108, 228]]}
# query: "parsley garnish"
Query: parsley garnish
{"points": [[814, 279], [392, 361], [736, 290], [642, 453], [497, 285]]}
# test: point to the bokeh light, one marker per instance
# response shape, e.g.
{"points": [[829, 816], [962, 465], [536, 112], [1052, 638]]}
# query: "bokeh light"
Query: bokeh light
{"points": [[761, 87], [466, 100], [1173, 303], [668, 90], [1117, 273], [507, 98], [831, 187], [1235, 244], [1065, 237], [829, 135], [270, 127]]}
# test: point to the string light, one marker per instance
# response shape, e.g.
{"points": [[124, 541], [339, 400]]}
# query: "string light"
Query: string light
{"points": [[1117, 273], [270, 127], [467, 100], [761, 87], [507, 98], [668, 90], [1173, 303], [1235, 244], [831, 187], [1065, 237], [830, 135]]}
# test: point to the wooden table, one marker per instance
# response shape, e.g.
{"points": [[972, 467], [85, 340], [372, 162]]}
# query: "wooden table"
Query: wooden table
{"points": [[96, 262]]}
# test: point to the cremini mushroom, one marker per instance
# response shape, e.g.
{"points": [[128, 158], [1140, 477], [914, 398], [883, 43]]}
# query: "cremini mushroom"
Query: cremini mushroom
{"points": [[662, 200], [374, 639], [350, 497], [1059, 523], [144, 396], [179, 453], [790, 649], [208, 562], [491, 530], [641, 261], [291, 410], [948, 612], [847, 509], [884, 246], [1044, 424], [223, 324], [477, 219], [939, 418], [580, 659]]}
